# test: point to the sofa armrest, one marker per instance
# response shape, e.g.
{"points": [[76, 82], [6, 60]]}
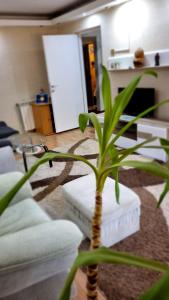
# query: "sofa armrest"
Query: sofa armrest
{"points": [[37, 253], [8, 180], [2, 124], [7, 160]]}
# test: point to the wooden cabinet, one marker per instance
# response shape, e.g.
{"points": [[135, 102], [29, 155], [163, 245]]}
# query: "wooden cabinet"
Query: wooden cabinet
{"points": [[43, 118]]}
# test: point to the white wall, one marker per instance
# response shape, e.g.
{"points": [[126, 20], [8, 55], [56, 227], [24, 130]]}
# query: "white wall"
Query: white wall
{"points": [[137, 23], [22, 71]]}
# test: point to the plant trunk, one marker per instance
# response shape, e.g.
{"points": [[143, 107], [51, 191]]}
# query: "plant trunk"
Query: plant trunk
{"points": [[92, 271]]}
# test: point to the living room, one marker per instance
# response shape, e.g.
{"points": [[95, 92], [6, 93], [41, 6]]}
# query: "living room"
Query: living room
{"points": [[117, 30]]}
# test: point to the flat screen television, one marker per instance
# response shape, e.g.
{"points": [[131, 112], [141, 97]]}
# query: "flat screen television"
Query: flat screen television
{"points": [[142, 99]]}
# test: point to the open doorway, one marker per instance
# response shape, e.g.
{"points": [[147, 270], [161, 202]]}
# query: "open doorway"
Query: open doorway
{"points": [[91, 44], [89, 55]]}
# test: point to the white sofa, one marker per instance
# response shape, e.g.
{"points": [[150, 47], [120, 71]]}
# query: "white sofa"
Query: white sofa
{"points": [[35, 251]]}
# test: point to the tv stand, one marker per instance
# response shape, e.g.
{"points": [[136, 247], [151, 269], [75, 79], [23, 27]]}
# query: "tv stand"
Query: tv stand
{"points": [[140, 131], [131, 133]]}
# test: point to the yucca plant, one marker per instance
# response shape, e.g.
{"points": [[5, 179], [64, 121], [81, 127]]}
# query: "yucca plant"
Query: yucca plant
{"points": [[110, 159], [160, 291]]}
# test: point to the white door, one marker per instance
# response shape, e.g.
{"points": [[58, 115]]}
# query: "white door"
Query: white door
{"points": [[66, 79]]}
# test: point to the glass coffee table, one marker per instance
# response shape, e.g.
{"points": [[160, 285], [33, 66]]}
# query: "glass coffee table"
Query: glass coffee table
{"points": [[31, 149]]}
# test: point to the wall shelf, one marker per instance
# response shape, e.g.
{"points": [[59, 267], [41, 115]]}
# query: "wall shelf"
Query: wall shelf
{"points": [[139, 68], [125, 62]]}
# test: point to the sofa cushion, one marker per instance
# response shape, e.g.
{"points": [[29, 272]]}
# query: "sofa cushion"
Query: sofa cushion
{"points": [[35, 254], [5, 143], [6, 131], [26, 213], [8, 180], [2, 123]]}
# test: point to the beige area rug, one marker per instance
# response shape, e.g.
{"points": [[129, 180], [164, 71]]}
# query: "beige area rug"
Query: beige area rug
{"points": [[152, 241]]}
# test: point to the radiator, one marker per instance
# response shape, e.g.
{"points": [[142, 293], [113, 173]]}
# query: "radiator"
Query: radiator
{"points": [[26, 115]]}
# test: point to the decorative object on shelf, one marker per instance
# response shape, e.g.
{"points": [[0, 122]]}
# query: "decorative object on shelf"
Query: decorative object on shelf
{"points": [[157, 59], [42, 97], [115, 65], [139, 58], [112, 52]]}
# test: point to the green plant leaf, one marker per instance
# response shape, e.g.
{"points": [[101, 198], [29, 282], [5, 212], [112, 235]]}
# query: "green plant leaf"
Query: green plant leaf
{"points": [[104, 255], [125, 152], [83, 119], [7, 198], [113, 157], [106, 92], [159, 291], [165, 144], [127, 126], [122, 100], [151, 167], [117, 189], [115, 173], [156, 147], [164, 193], [107, 101], [113, 154], [151, 72]]}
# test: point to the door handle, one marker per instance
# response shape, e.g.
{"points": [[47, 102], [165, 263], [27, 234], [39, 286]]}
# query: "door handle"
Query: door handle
{"points": [[54, 85]]}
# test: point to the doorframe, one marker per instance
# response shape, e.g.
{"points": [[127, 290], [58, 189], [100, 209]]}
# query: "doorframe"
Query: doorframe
{"points": [[83, 75], [94, 32]]}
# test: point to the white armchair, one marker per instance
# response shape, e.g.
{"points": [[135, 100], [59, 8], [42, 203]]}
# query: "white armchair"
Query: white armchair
{"points": [[35, 251], [7, 160]]}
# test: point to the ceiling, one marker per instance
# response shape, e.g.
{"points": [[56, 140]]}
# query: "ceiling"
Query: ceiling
{"points": [[49, 12], [46, 9]]}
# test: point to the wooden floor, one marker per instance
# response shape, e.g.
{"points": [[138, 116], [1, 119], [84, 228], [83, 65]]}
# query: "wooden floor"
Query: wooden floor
{"points": [[80, 282], [58, 140], [55, 140]]}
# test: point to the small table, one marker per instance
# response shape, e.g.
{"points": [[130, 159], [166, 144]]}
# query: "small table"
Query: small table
{"points": [[30, 149]]}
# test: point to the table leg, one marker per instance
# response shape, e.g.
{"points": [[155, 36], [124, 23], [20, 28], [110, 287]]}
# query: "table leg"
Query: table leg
{"points": [[24, 161], [47, 150]]}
